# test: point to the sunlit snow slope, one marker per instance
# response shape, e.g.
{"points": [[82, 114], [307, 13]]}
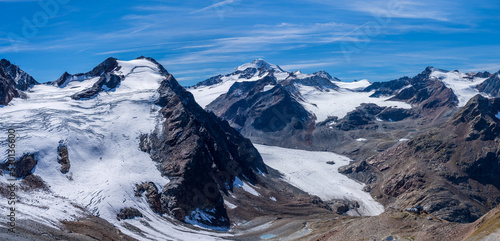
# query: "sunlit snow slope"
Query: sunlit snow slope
{"points": [[102, 136], [462, 84], [309, 171]]}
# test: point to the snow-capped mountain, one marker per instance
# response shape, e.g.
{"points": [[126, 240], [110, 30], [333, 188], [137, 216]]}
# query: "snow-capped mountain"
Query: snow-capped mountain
{"points": [[335, 108], [320, 93], [127, 144], [106, 172]]}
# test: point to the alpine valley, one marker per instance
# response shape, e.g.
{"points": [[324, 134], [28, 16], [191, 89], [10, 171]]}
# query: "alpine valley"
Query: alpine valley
{"points": [[124, 152]]}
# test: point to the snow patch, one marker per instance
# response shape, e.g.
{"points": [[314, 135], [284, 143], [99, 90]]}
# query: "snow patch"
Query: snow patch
{"points": [[355, 85], [229, 205], [245, 186]]}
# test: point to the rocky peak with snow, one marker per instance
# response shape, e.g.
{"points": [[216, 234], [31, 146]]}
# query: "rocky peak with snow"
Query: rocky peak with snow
{"points": [[23, 80], [320, 80], [491, 86], [13, 81], [261, 65], [103, 68]]}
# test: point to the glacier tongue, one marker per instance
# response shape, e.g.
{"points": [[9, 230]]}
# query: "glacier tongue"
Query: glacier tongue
{"points": [[309, 171]]}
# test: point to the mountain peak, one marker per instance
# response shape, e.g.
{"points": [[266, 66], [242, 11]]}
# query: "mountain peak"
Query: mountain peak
{"points": [[22, 80], [260, 64], [152, 60]]}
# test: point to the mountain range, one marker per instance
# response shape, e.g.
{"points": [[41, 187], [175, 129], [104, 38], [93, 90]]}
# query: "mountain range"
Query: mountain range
{"points": [[124, 152]]}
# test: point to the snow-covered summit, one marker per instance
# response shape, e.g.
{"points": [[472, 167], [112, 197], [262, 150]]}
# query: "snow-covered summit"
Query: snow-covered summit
{"points": [[464, 85], [261, 65]]}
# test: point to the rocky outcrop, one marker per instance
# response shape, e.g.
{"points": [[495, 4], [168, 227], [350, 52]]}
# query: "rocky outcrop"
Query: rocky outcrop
{"points": [[200, 154], [450, 171], [108, 81], [128, 213], [150, 190], [491, 86], [367, 114], [321, 80], [22, 167], [107, 66], [63, 158]]}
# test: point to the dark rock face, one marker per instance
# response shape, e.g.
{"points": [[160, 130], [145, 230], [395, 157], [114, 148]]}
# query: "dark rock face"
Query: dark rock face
{"points": [[320, 80], [103, 68], [451, 171], [210, 81], [247, 106], [13, 81], [342, 206], [201, 154], [23, 80], [369, 113], [8, 89], [106, 82], [152, 195], [491, 86], [63, 158], [23, 166], [387, 88], [128, 213]]}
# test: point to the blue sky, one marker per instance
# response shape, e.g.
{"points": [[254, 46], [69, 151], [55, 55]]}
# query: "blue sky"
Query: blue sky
{"points": [[355, 39]]}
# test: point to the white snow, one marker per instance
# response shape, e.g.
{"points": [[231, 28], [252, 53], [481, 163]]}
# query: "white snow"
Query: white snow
{"points": [[260, 63], [404, 139], [204, 95], [273, 198], [361, 139], [267, 87], [338, 103], [102, 136], [463, 87], [229, 205], [245, 186], [355, 85], [309, 171]]}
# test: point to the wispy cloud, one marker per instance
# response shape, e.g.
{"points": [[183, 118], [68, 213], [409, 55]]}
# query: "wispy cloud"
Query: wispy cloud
{"points": [[216, 5]]}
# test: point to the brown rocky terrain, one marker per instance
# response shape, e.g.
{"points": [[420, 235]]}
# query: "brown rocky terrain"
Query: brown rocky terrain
{"points": [[451, 171]]}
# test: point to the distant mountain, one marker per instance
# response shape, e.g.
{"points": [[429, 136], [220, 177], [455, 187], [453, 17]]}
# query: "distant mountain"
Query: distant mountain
{"points": [[263, 105], [13, 81]]}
